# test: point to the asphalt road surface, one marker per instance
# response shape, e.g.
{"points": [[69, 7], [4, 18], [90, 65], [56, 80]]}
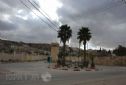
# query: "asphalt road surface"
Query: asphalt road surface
{"points": [[37, 73]]}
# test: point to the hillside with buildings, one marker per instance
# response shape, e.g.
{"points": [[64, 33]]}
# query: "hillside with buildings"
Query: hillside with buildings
{"points": [[14, 51], [8, 46]]}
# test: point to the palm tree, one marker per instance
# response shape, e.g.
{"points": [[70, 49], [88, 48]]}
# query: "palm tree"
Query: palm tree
{"points": [[79, 51], [84, 35], [64, 33]]}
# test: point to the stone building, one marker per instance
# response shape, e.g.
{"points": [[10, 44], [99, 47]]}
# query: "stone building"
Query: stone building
{"points": [[54, 52]]}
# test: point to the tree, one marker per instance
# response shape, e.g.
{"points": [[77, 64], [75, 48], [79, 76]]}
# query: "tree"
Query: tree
{"points": [[79, 51], [120, 51], [64, 33], [84, 35]]}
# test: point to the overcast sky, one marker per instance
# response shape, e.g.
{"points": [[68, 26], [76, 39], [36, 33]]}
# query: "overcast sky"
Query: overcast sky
{"points": [[105, 18]]}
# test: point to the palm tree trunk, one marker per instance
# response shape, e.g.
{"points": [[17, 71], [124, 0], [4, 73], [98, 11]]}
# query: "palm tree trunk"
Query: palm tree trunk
{"points": [[84, 52], [79, 54], [70, 58], [64, 53]]}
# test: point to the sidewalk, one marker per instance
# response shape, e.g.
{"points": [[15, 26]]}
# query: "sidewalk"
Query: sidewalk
{"points": [[3, 71], [117, 80]]}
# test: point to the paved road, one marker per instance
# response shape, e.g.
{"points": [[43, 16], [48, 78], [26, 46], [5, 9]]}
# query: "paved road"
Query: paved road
{"points": [[33, 73]]}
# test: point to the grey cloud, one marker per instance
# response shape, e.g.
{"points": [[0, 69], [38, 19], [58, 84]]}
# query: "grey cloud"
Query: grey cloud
{"points": [[11, 3], [29, 30], [6, 26], [106, 19]]}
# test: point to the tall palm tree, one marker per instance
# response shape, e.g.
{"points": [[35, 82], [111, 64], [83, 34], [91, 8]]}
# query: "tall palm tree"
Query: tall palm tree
{"points": [[84, 35], [79, 51], [64, 33]]}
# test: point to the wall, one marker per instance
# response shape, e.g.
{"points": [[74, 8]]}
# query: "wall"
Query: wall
{"points": [[20, 57], [110, 61], [119, 61], [54, 52]]}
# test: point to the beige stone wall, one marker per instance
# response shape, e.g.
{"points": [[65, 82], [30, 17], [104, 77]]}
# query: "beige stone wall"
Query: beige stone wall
{"points": [[110, 61], [54, 52], [120, 61], [21, 57], [73, 58]]}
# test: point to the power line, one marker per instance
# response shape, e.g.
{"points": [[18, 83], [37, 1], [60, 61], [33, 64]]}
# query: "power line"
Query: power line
{"points": [[38, 16], [42, 13], [45, 12]]}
